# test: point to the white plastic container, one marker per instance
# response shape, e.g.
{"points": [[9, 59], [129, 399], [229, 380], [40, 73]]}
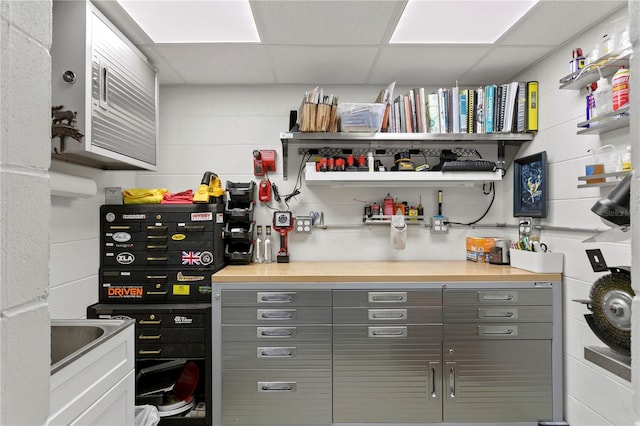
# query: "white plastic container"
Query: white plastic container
{"points": [[542, 262]]}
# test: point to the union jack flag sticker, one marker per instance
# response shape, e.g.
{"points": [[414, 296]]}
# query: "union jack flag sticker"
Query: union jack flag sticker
{"points": [[191, 258]]}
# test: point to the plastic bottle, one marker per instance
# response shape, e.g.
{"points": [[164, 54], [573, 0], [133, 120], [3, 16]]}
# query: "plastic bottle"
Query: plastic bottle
{"points": [[602, 97], [626, 160], [259, 248], [268, 246], [620, 89]]}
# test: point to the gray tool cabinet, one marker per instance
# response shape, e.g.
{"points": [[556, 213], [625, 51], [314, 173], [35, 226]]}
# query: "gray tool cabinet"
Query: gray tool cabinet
{"points": [[387, 353]]}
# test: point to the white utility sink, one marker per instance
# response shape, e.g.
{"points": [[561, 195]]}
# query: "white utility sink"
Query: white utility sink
{"points": [[92, 372]]}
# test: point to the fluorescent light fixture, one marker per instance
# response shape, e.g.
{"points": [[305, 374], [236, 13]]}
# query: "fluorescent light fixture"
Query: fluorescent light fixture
{"points": [[458, 21], [199, 21]]}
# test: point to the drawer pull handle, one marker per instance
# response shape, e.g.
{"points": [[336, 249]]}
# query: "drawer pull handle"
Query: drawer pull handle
{"points": [[387, 297], [275, 297], [276, 352], [277, 386], [156, 277], [498, 297], [498, 331], [508, 331], [434, 379], [452, 381], [156, 228], [156, 237], [276, 332], [157, 259], [147, 352], [191, 228], [387, 331], [275, 315], [149, 322], [157, 293], [157, 247], [497, 315], [388, 314], [119, 227], [146, 337]]}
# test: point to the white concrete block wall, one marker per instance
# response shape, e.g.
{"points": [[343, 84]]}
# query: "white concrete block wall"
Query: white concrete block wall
{"points": [[25, 86]]}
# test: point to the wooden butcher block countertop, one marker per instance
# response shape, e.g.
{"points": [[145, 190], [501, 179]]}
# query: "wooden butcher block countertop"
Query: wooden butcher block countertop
{"points": [[376, 272]]}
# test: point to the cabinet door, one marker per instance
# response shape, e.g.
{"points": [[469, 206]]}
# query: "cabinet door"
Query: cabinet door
{"points": [[387, 374], [497, 381], [123, 88]]}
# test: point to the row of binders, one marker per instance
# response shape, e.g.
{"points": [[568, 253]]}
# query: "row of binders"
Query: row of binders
{"points": [[504, 108]]}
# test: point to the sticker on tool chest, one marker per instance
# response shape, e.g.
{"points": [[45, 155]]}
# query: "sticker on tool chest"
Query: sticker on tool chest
{"points": [[181, 289], [181, 319], [197, 258], [200, 216], [182, 277], [129, 292], [125, 258]]}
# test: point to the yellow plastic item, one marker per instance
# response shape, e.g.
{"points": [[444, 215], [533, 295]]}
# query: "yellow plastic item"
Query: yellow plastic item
{"points": [[143, 195], [209, 188]]}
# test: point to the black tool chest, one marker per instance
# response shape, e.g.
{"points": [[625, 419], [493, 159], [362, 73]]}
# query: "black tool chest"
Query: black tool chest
{"points": [[156, 263]]}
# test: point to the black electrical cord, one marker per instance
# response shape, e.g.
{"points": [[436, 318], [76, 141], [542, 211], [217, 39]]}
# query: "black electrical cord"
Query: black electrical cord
{"points": [[492, 190], [298, 184]]}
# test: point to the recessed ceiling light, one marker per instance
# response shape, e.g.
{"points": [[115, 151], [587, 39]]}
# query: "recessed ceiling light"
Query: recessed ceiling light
{"points": [[200, 21], [458, 21]]}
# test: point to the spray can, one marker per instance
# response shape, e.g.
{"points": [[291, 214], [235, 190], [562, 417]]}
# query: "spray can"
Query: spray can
{"points": [[387, 206], [620, 88]]}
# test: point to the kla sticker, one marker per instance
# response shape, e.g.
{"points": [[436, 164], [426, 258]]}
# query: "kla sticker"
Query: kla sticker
{"points": [[178, 237]]}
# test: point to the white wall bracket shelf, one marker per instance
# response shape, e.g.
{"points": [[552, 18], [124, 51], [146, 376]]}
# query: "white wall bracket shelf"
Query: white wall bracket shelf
{"points": [[608, 65], [605, 123]]}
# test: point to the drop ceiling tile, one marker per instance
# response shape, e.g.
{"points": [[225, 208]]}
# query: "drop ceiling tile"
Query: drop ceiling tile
{"points": [[501, 64], [322, 65], [326, 22], [425, 65], [553, 22], [219, 63]]}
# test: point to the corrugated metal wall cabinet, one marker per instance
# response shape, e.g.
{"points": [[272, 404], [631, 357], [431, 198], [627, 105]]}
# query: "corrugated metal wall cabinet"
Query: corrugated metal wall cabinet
{"points": [[99, 75]]}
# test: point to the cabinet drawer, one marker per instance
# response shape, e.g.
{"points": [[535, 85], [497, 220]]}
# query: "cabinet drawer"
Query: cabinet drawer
{"points": [[276, 298], [387, 298], [170, 335], [294, 333], [250, 355], [507, 296], [502, 331], [410, 315], [516, 313], [170, 350], [276, 397], [305, 315]]}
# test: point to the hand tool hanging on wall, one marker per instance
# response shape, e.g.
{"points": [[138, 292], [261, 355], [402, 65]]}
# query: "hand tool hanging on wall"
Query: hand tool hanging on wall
{"points": [[283, 223]]}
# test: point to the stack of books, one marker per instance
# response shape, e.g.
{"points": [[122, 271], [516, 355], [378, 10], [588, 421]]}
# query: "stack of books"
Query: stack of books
{"points": [[504, 108]]}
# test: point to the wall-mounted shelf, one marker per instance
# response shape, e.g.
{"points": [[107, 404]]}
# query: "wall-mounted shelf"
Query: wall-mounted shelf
{"points": [[601, 176], [388, 140], [605, 123], [608, 65], [337, 179]]}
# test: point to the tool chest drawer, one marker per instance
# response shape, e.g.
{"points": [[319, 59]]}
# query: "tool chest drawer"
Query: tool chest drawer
{"points": [[252, 315], [517, 313], [290, 333], [273, 298], [276, 397], [411, 315], [515, 331], [517, 296], [155, 285], [384, 298], [162, 317], [298, 355]]}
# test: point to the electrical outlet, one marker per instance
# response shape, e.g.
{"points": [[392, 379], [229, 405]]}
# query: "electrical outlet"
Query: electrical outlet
{"points": [[303, 224], [525, 225], [439, 225]]}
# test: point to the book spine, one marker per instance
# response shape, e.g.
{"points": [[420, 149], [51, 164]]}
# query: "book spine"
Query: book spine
{"points": [[464, 95], [455, 110], [423, 110], [471, 109], [408, 114], [412, 107], [503, 103], [490, 108], [521, 107], [532, 106], [480, 110], [442, 104], [434, 113]]}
